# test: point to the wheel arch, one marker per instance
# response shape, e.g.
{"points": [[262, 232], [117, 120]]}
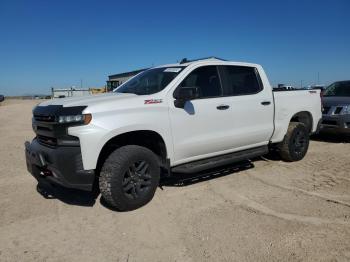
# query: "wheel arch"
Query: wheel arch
{"points": [[146, 138], [304, 117]]}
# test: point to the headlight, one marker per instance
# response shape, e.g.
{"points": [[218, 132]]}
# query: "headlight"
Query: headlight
{"points": [[346, 110], [84, 119]]}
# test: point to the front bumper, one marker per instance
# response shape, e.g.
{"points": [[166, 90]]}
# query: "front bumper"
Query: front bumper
{"points": [[60, 165], [335, 123]]}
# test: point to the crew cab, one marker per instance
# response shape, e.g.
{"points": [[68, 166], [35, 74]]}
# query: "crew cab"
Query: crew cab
{"points": [[177, 118]]}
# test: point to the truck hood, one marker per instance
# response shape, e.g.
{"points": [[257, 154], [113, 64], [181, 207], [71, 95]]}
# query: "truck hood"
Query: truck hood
{"points": [[335, 100], [89, 100]]}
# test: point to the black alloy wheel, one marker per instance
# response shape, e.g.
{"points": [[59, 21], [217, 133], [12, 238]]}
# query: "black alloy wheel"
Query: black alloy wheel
{"points": [[295, 143], [129, 177], [299, 142], [137, 180]]}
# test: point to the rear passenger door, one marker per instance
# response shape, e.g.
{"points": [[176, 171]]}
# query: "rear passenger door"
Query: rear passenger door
{"points": [[251, 106]]}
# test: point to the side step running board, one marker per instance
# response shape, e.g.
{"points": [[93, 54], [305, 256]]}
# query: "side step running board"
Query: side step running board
{"points": [[204, 164]]}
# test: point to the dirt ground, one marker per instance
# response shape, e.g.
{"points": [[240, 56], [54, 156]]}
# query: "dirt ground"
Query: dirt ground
{"points": [[272, 211]]}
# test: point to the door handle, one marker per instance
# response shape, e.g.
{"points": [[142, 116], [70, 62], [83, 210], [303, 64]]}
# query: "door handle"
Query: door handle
{"points": [[265, 103], [222, 107]]}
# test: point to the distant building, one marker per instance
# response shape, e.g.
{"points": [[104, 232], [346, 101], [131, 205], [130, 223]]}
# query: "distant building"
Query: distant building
{"points": [[116, 80], [113, 82], [69, 92]]}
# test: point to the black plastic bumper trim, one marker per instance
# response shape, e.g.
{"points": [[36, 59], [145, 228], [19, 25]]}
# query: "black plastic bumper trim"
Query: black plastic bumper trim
{"points": [[64, 164], [337, 123]]}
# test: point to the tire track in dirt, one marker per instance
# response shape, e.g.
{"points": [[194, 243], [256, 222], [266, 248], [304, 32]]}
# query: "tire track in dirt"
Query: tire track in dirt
{"points": [[251, 205], [328, 198]]}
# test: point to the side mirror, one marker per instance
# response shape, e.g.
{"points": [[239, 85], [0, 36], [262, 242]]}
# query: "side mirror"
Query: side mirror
{"points": [[185, 94]]}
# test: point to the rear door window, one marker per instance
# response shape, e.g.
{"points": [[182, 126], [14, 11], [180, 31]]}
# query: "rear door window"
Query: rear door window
{"points": [[240, 80]]}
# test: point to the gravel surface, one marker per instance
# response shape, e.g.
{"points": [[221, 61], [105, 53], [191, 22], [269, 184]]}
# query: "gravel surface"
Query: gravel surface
{"points": [[271, 211]]}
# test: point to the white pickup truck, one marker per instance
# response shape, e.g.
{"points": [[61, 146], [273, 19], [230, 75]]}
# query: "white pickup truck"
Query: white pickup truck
{"points": [[177, 118]]}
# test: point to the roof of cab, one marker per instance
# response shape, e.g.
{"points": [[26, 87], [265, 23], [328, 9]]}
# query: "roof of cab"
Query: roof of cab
{"points": [[185, 62]]}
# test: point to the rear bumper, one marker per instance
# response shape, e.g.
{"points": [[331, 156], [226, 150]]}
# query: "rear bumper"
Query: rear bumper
{"points": [[337, 124], [61, 165]]}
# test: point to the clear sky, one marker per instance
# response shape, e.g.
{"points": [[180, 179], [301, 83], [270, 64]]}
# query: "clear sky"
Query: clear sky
{"points": [[58, 43]]}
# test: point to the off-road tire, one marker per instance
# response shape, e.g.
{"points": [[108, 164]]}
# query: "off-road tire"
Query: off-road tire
{"points": [[290, 149], [116, 171]]}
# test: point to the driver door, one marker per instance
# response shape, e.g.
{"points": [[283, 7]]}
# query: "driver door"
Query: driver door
{"points": [[201, 129]]}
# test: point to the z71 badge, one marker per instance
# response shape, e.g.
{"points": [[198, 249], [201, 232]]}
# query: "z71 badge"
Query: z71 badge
{"points": [[153, 101]]}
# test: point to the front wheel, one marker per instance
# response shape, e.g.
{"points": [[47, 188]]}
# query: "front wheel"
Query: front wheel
{"points": [[295, 143], [129, 177]]}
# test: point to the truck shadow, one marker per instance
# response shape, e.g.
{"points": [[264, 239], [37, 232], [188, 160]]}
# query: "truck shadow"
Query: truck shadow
{"points": [[331, 138], [66, 195], [88, 199], [181, 180]]}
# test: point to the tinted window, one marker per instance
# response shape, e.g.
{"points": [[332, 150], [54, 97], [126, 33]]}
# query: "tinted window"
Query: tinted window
{"points": [[150, 81], [240, 80], [207, 80], [338, 89]]}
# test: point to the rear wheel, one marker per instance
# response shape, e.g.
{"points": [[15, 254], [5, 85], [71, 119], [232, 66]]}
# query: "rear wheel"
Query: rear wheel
{"points": [[295, 143], [129, 177]]}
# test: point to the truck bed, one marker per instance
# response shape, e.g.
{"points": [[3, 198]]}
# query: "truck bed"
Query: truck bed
{"points": [[288, 101]]}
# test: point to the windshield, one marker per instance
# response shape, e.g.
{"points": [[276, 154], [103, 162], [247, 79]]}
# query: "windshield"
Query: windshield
{"points": [[150, 81], [338, 89]]}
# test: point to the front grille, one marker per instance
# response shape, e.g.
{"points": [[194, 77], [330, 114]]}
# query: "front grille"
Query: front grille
{"points": [[48, 131], [326, 110], [42, 118], [329, 122], [47, 141]]}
